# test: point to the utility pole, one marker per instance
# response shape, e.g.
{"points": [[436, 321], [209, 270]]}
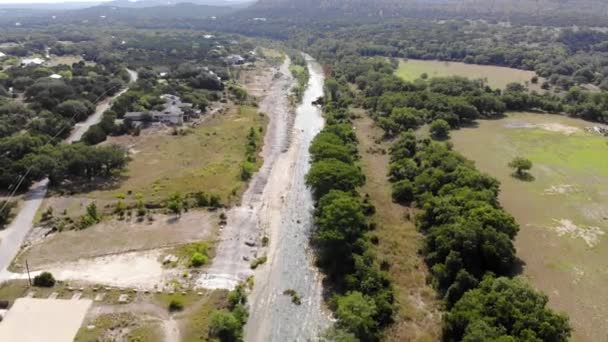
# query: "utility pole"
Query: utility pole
{"points": [[27, 267]]}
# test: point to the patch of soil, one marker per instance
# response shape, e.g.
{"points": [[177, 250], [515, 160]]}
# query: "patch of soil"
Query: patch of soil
{"points": [[589, 234], [113, 237]]}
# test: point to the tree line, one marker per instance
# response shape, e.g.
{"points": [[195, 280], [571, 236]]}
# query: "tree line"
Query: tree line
{"points": [[362, 294], [468, 237], [468, 246]]}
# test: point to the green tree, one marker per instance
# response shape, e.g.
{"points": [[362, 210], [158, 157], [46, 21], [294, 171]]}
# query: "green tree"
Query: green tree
{"points": [[521, 166], [329, 174], [403, 192], [198, 259], [93, 213], [6, 212], [225, 326], [440, 129], [505, 309], [44, 279], [355, 313], [341, 222], [75, 110], [176, 203]]}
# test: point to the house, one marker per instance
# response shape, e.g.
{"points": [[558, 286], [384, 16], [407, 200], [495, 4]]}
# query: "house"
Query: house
{"points": [[2, 55], [175, 112], [235, 60], [32, 61], [56, 76]]}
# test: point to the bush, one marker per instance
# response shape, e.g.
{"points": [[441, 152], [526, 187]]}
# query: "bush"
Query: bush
{"points": [[198, 260], [225, 326], [247, 170], [440, 129], [176, 304], [403, 192], [44, 279], [257, 262]]}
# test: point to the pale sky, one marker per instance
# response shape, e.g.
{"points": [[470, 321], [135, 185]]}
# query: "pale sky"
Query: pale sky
{"points": [[44, 1]]}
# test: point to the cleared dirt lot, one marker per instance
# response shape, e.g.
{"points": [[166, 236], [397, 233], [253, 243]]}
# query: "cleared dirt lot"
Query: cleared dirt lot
{"points": [[56, 320], [116, 236]]}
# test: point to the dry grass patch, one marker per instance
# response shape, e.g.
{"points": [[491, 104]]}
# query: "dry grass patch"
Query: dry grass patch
{"points": [[399, 241], [119, 327], [497, 77], [116, 236], [207, 158]]}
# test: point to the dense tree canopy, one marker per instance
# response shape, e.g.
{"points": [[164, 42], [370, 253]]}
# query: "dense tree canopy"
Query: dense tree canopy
{"points": [[503, 309]]}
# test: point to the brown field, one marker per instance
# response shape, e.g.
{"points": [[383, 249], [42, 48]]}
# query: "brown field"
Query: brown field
{"points": [[120, 236], [497, 77], [206, 158], [419, 313]]}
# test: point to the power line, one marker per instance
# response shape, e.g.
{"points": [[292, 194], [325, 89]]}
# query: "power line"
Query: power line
{"points": [[29, 169]]}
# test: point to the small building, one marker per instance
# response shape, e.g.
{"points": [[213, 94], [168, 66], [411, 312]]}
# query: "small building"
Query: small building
{"points": [[235, 60], [32, 61], [175, 112], [2, 55], [56, 76]]}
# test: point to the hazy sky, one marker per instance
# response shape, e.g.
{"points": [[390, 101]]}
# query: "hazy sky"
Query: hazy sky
{"points": [[44, 1]]}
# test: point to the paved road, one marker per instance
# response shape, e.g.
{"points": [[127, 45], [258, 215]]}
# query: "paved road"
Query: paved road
{"points": [[12, 237], [82, 127]]}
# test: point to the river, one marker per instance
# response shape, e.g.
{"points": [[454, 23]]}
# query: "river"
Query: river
{"points": [[289, 223]]}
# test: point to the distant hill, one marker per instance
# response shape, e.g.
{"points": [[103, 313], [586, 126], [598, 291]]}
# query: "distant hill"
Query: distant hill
{"points": [[179, 15], [156, 3], [498, 9]]}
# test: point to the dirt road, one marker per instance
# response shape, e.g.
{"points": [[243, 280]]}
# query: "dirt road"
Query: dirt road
{"points": [[287, 217]]}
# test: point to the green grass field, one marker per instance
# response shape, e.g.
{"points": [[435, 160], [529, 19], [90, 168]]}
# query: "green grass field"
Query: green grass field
{"points": [[207, 159], [563, 212], [497, 77]]}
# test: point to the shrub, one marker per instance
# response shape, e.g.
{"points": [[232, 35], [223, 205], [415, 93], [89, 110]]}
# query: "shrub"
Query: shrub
{"points": [[225, 326], [44, 279], [198, 260], [403, 192], [440, 129], [257, 262], [176, 304], [247, 170]]}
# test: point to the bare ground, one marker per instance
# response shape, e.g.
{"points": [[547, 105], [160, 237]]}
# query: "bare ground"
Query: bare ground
{"points": [[115, 236]]}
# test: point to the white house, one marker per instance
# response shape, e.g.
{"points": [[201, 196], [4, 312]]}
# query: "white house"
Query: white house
{"points": [[32, 61], [2, 55], [56, 76]]}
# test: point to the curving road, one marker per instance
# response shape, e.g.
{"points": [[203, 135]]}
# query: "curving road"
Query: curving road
{"points": [[12, 237]]}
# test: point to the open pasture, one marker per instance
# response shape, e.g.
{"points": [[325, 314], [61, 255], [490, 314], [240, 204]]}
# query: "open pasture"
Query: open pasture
{"points": [[497, 77], [562, 212]]}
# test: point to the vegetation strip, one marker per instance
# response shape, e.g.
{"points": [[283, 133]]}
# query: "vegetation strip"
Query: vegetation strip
{"points": [[363, 298], [468, 237]]}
